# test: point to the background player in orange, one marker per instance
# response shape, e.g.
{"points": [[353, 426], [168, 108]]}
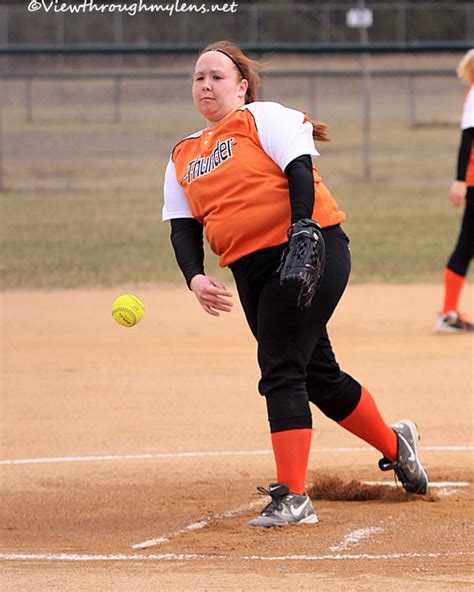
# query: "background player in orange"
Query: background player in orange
{"points": [[247, 180], [461, 192]]}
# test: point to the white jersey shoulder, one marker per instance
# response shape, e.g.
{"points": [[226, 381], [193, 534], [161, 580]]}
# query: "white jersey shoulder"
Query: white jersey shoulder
{"points": [[175, 203], [467, 119], [282, 131]]}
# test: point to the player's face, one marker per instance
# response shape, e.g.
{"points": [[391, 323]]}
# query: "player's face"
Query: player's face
{"points": [[217, 90]]}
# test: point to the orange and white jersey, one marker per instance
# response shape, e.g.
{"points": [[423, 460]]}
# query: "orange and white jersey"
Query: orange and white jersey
{"points": [[467, 121], [231, 179]]}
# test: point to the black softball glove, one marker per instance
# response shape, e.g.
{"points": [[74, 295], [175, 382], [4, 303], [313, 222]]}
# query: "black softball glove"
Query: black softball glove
{"points": [[303, 259]]}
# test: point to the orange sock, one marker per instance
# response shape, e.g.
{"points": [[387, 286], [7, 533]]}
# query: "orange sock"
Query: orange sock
{"points": [[367, 423], [291, 450], [453, 284]]}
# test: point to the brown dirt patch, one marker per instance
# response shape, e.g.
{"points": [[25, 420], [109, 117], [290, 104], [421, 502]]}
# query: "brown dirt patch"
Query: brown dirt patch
{"points": [[329, 487], [168, 414]]}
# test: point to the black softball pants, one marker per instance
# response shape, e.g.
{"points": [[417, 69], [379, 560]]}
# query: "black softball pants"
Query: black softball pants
{"points": [[295, 355], [464, 249]]}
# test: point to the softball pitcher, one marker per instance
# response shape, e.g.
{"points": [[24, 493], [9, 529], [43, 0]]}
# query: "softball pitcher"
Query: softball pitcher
{"points": [[461, 191], [247, 180]]}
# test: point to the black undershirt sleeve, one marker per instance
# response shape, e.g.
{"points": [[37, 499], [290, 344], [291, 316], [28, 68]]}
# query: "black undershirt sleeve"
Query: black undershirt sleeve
{"points": [[464, 153], [187, 241], [301, 183]]}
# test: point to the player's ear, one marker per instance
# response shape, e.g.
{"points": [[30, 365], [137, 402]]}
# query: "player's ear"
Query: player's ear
{"points": [[243, 86]]}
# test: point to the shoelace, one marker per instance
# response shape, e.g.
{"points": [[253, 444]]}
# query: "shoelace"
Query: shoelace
{"points": [[275, 504], [395, 466]]}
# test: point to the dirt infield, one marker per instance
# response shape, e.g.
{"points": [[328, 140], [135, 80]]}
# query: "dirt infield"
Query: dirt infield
{"points": [[130, 457]]}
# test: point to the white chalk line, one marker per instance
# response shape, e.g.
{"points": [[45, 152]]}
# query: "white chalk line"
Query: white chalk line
{"points": [[151, 456], [203, 522], [440, 484], [204, 557], [355, 537]]}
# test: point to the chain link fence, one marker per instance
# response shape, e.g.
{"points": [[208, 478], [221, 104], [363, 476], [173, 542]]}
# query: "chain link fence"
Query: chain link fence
{"points": [[92, 130]]}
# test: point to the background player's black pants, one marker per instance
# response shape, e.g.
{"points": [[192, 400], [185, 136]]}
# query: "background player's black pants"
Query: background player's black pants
{"points": [[294, 352], [464, 249]]}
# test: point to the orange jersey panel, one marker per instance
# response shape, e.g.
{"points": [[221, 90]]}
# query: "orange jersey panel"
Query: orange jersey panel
{"points": [[238, 192]]}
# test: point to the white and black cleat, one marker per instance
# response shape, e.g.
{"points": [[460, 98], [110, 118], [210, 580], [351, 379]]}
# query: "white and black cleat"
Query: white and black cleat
{"points": [[285, 508], [407, 465], [453, 322]]}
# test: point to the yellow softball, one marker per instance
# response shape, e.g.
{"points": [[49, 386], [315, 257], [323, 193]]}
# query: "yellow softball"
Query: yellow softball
{"points": [[128, 310]]}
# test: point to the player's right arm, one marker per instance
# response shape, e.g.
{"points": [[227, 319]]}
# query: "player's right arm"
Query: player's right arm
{"points": [[187, 241]]}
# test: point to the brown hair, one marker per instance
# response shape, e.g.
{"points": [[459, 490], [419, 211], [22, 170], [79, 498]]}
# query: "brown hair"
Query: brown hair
{"points": [[248, 69], [320, 131]]}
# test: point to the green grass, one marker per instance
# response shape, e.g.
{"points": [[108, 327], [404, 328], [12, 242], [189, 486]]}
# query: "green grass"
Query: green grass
{"points": [[399, 235], [57, 239]]}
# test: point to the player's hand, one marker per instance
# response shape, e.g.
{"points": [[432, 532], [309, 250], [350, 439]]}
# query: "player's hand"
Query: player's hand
{"points": [[457, 193], [212, 294]]}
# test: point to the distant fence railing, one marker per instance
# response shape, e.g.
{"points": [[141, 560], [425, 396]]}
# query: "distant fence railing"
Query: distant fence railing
{"points": [[34, 49], [312, 77]]}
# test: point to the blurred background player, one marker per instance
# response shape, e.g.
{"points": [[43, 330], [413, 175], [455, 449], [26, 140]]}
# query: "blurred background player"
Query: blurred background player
{"points": [[247, 179], [461, 192]]}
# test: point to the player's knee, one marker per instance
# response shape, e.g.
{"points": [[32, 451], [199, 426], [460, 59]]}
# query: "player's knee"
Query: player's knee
{"points": [[337, 399], [288, 408], [291, 423]]}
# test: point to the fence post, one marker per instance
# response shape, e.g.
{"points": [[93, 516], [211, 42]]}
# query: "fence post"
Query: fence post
{"points": [[29, 99], [469, 20], [367, 101], [411, 100], [367, 82], [117, 98], [326, 21], [401, 23], [183, 29], [253, 23], [312, 94], [59, 31], [4, 34], [118, 36]]}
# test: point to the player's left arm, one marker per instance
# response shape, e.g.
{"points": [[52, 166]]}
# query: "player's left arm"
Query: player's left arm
{"points": [[301, 186]]}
